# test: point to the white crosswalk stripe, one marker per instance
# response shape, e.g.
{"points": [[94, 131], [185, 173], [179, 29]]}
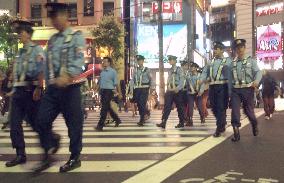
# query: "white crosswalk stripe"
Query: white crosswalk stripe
{"points": [[143, 143]]}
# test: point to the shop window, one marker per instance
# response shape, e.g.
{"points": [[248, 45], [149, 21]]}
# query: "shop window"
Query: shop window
{"points": [[36, 11], [108, 8], [72, 10]]}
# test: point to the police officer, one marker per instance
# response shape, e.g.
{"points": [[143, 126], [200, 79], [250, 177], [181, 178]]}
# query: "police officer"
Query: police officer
{"points": [[185, 68], [195, 91], [245, 79], [108, 87], [65, 59], [173, 94], [142, 81], [216, 73], [27, 88]]}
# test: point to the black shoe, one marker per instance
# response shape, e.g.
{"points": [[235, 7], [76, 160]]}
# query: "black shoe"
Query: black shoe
{"points": [[236, 136], [180, 125], [5, 125], [188, 124], [255, 130], [140, 123], [70, 165], [161, 125], [99, 128], [217, 133], [20, 159], [117, 123], [43, 165]]}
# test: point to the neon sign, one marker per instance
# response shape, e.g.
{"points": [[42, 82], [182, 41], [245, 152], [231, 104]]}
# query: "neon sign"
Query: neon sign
{"points": [[269, 9]]}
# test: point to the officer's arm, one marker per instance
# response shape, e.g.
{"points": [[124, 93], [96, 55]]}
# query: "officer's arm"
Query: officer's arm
{"points": [[204, 74], [230, 76], [40, 59], [152, 82], [115, 82], [201, 90], [181, 79], [76, 56], [257, 72]]}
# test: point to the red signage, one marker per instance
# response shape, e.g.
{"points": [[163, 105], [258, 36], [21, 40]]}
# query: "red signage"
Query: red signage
{"points": [[269, 9], [269, 44], [168, 7]]}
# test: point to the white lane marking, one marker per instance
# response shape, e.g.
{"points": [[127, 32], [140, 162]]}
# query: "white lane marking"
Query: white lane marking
{"points": [[166, 168]]}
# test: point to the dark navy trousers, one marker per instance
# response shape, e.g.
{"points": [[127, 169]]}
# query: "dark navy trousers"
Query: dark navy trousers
{"points": [[171, 97], [68, 102], [246, 97], [198, 100], [23, 108], [141, 97], [106, 97], [218, 96]]}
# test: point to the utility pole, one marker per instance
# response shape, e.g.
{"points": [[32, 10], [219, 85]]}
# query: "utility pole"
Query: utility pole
{"points": [[161, 54]]}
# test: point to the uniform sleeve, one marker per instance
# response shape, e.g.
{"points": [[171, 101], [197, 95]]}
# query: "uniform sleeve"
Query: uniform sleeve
{"points": [[115, 81], [202, 88], [257, 71], [40, 59], [205, 73], [152, 82], [230, 76], [76, 55], [181, 79]]}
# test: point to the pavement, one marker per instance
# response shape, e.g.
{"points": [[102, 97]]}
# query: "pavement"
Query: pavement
{"points": [[148, 154]]}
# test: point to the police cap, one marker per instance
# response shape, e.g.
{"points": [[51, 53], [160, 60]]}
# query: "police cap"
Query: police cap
{"points": [[218, 44], [171, 57], [140, 57], [54, 8], [22, 25], [193, 64], [183, 62], [239, 42]]}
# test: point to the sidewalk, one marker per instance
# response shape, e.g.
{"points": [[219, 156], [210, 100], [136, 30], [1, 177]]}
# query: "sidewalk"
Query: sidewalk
{"points": [[252, 159]]}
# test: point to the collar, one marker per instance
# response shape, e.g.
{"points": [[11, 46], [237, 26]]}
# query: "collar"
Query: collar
{"points": [[141, 68], [67, 31], [107, 68], [29, 44], [174, 67]]}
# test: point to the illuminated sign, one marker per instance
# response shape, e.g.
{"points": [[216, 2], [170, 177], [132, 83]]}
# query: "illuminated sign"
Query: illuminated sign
{"points": [[269, 43], [269, 9], [168, 7], [175, 43], [2, 12]]}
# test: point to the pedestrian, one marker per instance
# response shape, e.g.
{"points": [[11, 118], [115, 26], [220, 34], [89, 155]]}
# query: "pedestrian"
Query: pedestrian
{"points": [[195, 91], [216, 73], [173, 93], [108, 88], [65, 59], [245, 76], [269, 88], [186, 72], [27, 89], [142, 82]]}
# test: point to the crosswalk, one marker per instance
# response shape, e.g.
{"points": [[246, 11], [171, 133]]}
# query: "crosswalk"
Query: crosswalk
{"points": [[127, 148]]}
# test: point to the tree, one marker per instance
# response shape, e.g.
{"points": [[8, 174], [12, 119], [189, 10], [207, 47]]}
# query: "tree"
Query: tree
{"points": [[8, 41], [161, 58], [109, 34]]}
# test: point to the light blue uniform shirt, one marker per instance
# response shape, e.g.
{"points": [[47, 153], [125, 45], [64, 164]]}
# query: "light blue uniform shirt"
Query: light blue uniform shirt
{"points": [[175, 78], [247, 72], [75, 54], [108, 79], [144, 75], [35, 62], [216, 65], [192, 85]]}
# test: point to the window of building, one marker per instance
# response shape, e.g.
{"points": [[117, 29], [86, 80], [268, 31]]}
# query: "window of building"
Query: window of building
{"points": [[36, 11], [72, 10], [108, 8]]}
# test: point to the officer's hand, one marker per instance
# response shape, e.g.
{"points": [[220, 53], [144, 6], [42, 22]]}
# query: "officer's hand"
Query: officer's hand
{"points": [[37, 94], [10, 94], [254, 84], [176, 90], [63, 81], [119, 96], [199, 94]]}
